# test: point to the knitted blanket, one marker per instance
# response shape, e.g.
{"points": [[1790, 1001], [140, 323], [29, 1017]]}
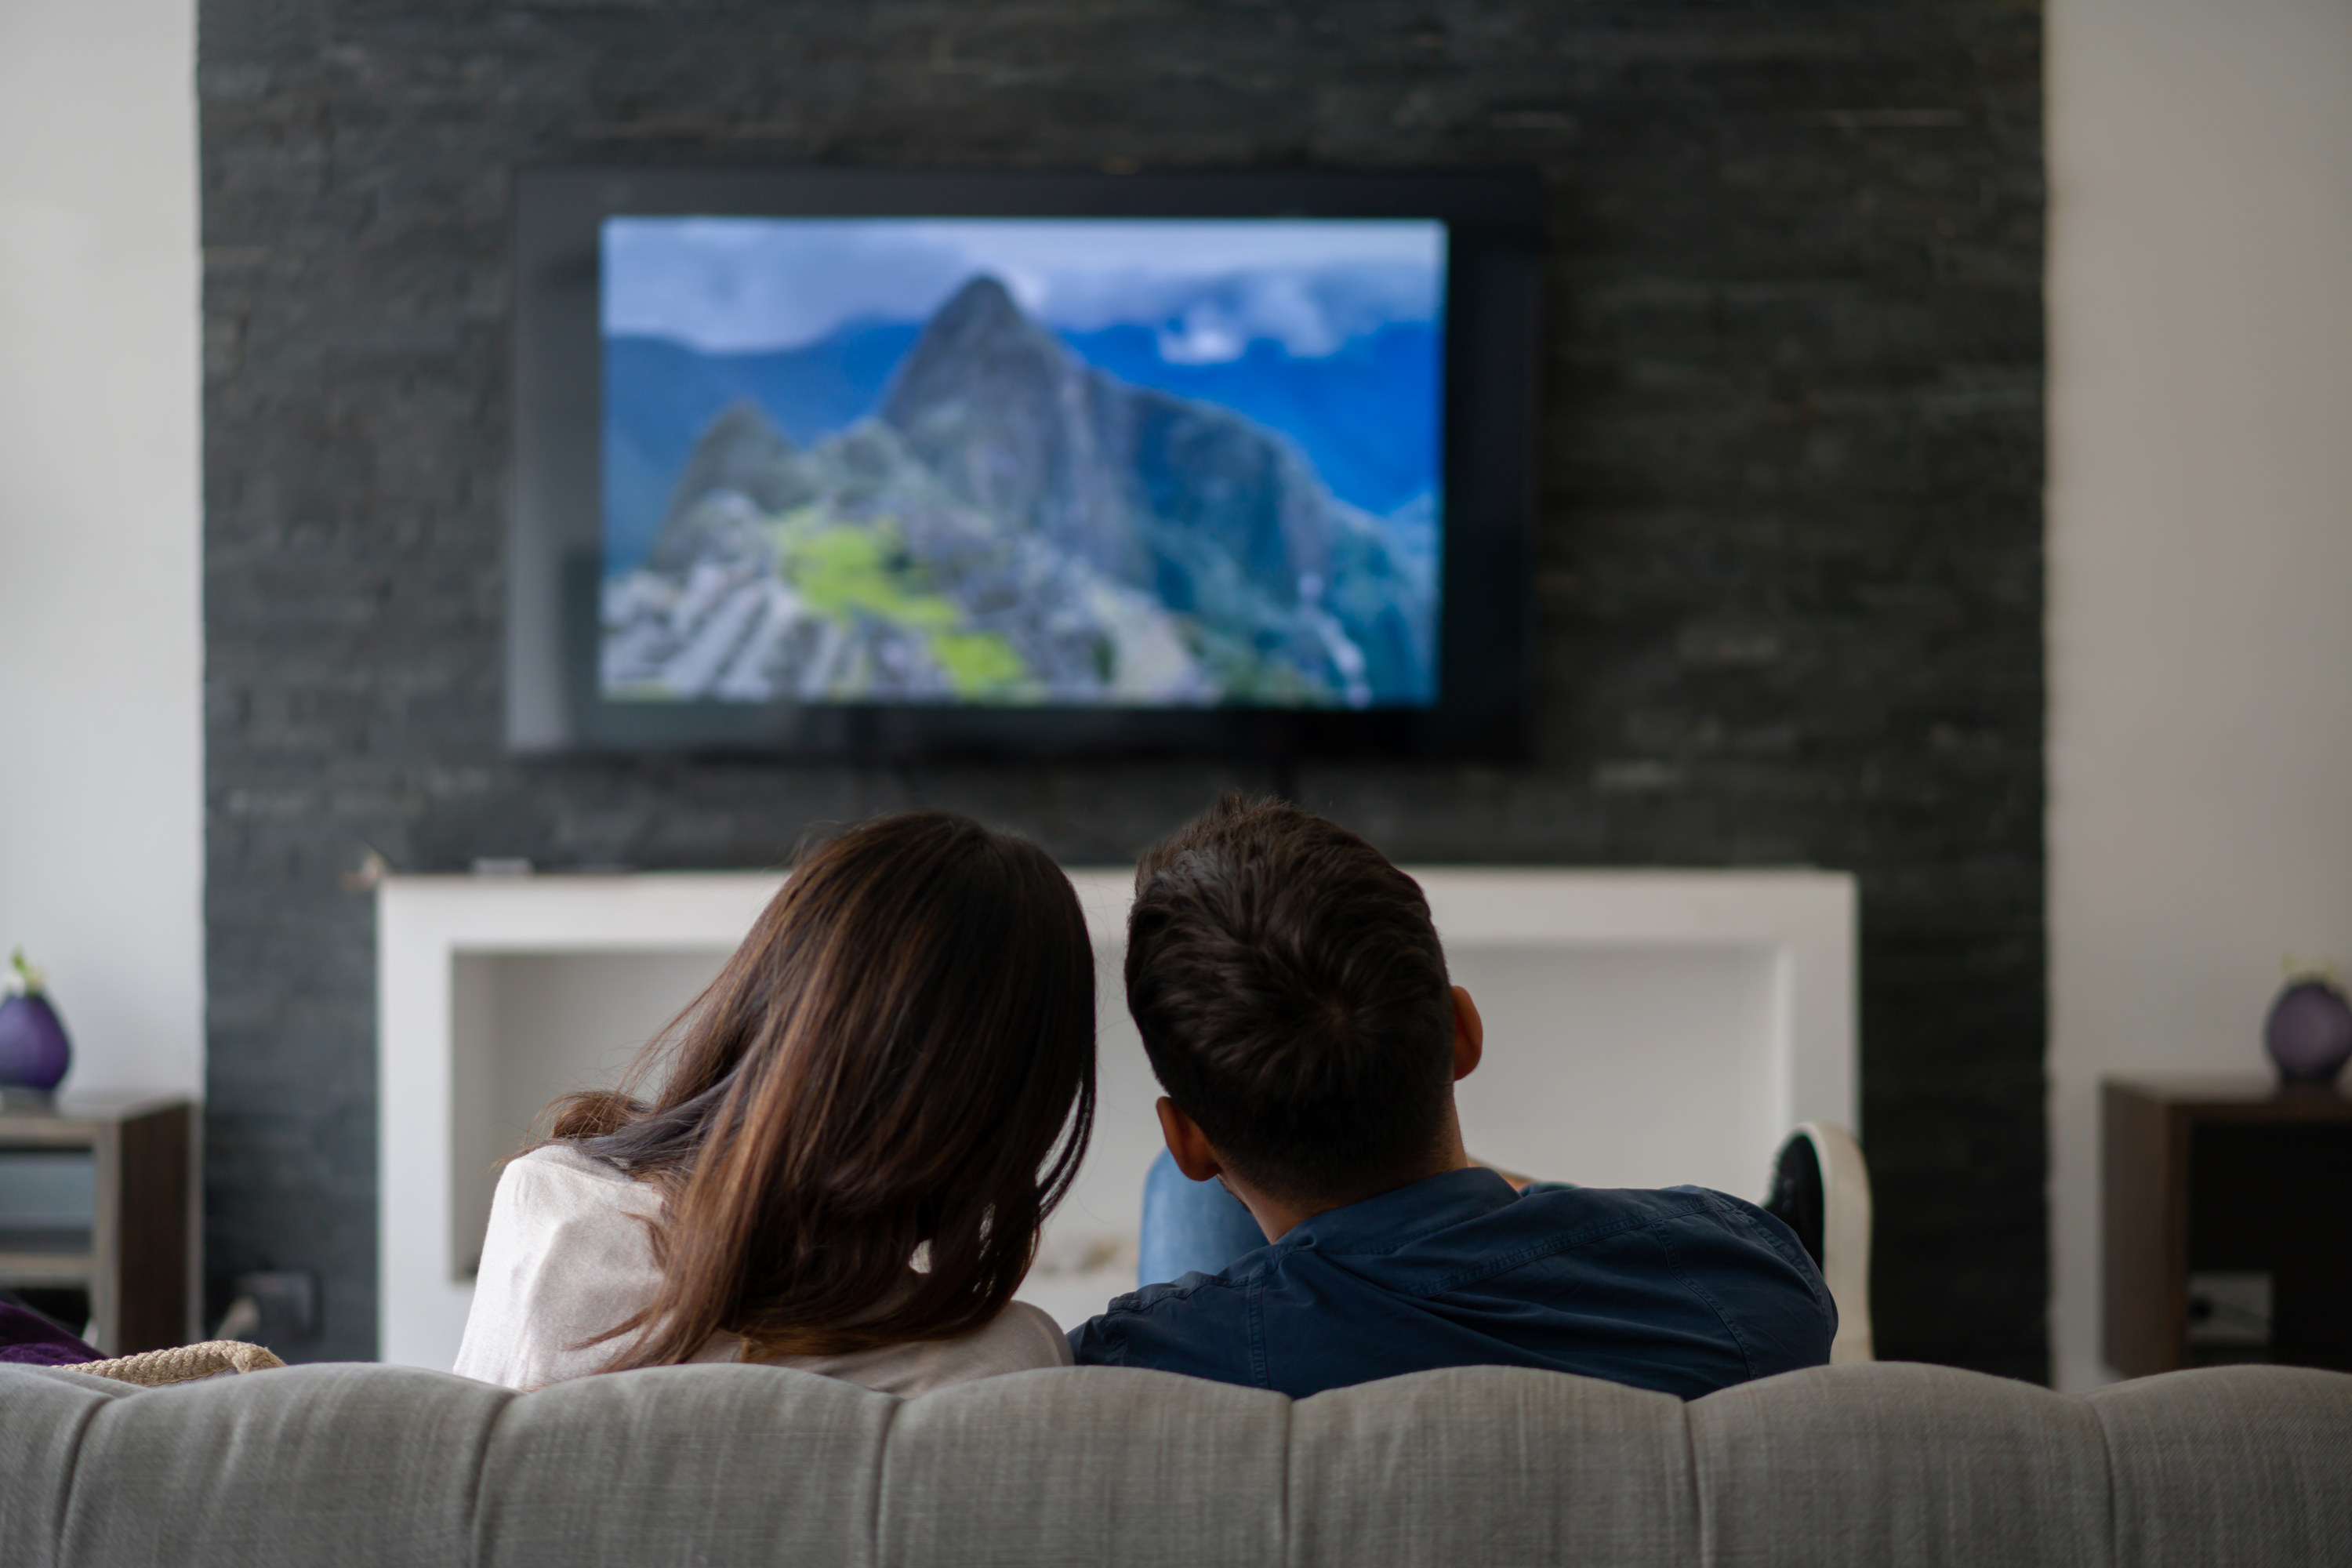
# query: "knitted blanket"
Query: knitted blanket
{"points": [[181, 1362]]}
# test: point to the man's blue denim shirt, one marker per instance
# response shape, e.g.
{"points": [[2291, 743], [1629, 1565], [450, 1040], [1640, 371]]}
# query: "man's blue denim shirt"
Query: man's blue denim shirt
{"points": [[1682, 1290]]}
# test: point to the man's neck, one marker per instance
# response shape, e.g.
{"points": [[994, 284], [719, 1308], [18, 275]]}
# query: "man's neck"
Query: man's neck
{"points": [[1278, 1217]]}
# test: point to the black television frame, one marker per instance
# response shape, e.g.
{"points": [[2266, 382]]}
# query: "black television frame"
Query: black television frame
{"points": [[556, 542]]}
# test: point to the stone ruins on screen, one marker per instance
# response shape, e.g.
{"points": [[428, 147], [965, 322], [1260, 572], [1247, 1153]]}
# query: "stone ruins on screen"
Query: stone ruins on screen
{"points": [[1013, 525]]}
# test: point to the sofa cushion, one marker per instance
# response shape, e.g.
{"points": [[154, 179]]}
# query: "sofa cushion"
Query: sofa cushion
{"points": [[350, 1465], [44, 1415], [1491, 1465], [1095, 1465], [1894, 1462], [2243, 1464], [715, 1464]]}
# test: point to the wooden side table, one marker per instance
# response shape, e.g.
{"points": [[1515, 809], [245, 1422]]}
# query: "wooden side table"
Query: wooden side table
{"points": [[95, 1196], [2243, 1190]]}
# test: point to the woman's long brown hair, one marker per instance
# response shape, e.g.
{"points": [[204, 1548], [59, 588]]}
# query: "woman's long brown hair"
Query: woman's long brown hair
{"points": [[902, 1054]]}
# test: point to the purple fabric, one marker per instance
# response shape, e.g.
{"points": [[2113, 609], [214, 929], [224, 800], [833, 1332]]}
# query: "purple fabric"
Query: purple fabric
{"points": [[28, 1339]]}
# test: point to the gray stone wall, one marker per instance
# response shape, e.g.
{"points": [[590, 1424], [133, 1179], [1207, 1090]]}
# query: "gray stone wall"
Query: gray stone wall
{"points": [[1791, 583]]}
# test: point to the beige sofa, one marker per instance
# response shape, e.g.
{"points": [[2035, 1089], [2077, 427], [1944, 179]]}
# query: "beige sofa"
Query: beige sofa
{"points": [[716, 1464]]}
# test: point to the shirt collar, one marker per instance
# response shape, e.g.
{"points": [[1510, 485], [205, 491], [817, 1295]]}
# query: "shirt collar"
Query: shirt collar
{"points": [[1385, 1223]]}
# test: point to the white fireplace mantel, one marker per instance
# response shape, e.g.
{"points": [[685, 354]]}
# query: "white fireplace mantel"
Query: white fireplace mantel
{"points": [[1643, 1029]]}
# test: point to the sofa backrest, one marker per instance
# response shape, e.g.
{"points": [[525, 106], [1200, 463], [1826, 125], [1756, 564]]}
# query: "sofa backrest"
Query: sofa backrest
{"points": [[1882, 1463]]}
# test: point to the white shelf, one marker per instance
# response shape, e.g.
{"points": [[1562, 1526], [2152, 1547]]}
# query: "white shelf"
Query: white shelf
{"points": [[1643, 1028]]}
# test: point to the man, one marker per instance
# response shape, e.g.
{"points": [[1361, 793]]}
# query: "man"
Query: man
{"points": [[1293, 999]]}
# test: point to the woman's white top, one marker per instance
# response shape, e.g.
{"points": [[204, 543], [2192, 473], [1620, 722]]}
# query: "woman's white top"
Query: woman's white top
{"points": [[568, 1256]]}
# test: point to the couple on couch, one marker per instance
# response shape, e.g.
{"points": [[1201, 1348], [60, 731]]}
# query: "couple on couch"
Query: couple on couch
{"points": [[851, 1140]]}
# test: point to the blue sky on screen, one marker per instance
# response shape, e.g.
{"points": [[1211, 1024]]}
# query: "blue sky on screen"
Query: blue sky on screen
{"points": [[1207, 286]]}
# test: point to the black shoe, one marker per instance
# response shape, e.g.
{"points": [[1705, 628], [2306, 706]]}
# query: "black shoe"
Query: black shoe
{"points": [[1821, 1190], [1795, 1199]]}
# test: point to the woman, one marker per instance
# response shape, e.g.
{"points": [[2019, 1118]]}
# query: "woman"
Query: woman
{"points": [[865, 1119]]}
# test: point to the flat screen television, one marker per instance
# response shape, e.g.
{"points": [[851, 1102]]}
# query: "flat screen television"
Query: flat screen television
{"points": [[889, 463]]}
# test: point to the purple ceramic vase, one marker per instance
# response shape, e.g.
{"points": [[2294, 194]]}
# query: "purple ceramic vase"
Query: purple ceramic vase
{"points": [[34, 1051], [2309, 1032]]}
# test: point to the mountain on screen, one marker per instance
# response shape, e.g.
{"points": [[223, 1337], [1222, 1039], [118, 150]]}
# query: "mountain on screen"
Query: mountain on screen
{"points": [[672, 389], [1013, 524], [1365, 416]]}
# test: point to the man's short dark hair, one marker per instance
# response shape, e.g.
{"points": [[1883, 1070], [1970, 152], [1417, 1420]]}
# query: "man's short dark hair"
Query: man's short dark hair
{"points": [[1290, 989]]}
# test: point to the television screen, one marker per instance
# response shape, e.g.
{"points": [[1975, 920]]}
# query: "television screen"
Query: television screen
{"points": [[1173, 463], [835, 461]]}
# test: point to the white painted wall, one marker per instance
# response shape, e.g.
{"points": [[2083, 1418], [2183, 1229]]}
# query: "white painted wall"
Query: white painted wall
{"points": [[101, 782], [2200, 551]]}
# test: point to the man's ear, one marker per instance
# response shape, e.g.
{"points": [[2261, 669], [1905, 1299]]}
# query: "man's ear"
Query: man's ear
{"points": [[1469, 1037], [1187, 1142]]}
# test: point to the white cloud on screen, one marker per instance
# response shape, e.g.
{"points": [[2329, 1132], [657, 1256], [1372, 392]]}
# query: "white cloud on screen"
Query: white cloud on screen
{"points": [[1207, 286]]}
